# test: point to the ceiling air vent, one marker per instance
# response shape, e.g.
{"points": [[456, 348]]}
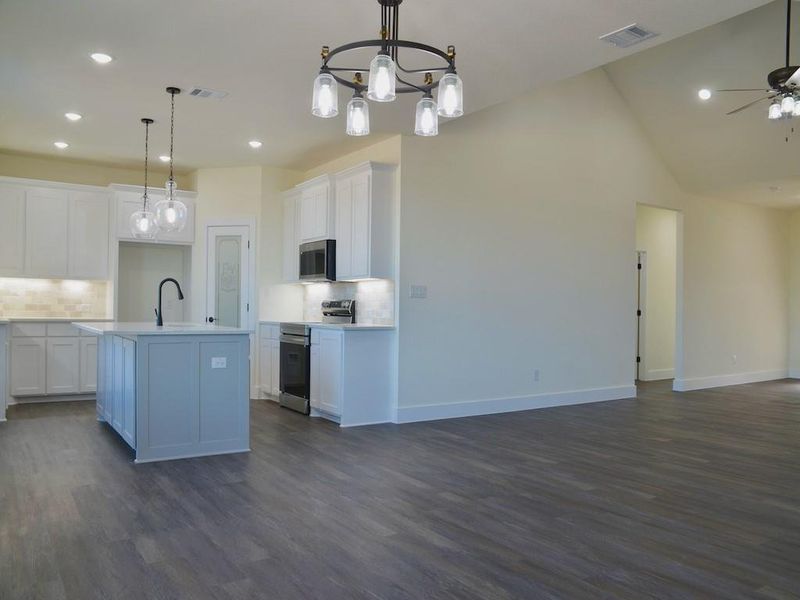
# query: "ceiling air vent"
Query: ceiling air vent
{"points": [[628, 36], [199, 92]]}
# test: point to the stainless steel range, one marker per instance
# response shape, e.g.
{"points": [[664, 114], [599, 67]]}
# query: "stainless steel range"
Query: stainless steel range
{"points": [[295, 378]]}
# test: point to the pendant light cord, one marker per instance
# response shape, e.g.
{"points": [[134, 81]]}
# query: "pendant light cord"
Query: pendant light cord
{"points": [[146, 148], [171, 134]]}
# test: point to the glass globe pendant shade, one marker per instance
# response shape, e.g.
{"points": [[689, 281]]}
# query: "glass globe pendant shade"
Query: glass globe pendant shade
{"points": [[451, 96], [170, 212], [325, 99], [382, 79], [357, 116], [775, 111], [143, 223], [787, 105], [427, 119], [796, 112]]}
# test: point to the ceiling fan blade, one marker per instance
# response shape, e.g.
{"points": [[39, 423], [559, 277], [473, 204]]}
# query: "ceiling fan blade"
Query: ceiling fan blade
{"points": [[794, 80], [744, 90], [749, 104]]}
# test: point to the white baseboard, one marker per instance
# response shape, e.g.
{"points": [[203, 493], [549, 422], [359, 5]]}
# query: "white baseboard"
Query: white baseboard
{"points": [[702, 383], [453, 410], [794, 373], [43, 399], [658, 374]]}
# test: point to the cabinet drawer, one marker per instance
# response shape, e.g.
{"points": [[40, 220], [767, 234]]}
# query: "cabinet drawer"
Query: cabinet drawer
{"points": [[61, 330], [269, 331], [28, 329]]}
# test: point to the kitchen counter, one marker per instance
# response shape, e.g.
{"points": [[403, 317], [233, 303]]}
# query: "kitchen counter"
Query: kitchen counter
{"points": [[135, 329], [49, 320], [339, 326]]}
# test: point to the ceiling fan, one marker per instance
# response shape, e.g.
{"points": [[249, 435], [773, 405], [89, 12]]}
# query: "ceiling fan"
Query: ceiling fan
{"points": [[784, 85]]}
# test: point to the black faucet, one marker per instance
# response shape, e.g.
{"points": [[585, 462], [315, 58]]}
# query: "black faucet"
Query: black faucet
{"points": [[159, 314]]}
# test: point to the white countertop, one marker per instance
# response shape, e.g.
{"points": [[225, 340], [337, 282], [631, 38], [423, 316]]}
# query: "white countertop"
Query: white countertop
{"points": [[340, 326], [49, 320], [116, 327]]}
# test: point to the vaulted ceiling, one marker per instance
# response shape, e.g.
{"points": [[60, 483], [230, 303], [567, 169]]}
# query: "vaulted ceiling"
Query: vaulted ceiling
{"points": [[741, 157], [265, 55]]}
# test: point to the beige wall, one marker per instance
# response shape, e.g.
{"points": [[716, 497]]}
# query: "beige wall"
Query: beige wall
{"points": [[387, 151], [794, 294], [141, 269], [520, 219], [657, 236], [75, 171]]}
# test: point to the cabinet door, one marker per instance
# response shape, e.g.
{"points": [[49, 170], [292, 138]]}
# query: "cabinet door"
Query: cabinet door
{"points": [[265, 366], [128, 390], [291, 255], [275, 350], [63, 365], [102, 367], [313, 392], [107, 348], [330, 371], [46, 226], [88, 379], [28, 367], [118, 385], [344, 228], [12, 231], [314, 213], [88, 235], [362, 218]]}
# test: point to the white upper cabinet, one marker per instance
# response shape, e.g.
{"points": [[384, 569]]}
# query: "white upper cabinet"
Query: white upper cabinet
{"points": [[316, 210], [364, 247], [291, 255], [12, 230], [46, 232], [88, 235], [128, 199]]}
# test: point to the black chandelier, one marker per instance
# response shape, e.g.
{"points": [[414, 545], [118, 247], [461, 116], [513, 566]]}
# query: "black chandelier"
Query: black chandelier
{"points": [[385, 73]]}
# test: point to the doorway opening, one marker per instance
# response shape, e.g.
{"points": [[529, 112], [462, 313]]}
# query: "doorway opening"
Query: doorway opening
{"points": [[657, 292]]}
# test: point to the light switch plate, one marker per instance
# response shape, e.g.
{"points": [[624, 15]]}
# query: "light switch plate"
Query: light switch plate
{"points": [[418, 291], [219, 362]]}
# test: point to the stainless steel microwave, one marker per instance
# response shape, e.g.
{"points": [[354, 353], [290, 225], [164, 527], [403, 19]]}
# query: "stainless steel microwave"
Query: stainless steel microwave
{"points": [[318, 261]]}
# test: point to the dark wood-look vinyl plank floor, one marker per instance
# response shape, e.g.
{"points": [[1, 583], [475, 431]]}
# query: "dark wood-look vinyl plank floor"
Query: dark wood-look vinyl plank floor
{"points": [[693, 495]]}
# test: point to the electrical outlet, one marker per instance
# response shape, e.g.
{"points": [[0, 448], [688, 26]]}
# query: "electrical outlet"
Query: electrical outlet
{"points": [[418, 291], [536, 375], [219, 362]]}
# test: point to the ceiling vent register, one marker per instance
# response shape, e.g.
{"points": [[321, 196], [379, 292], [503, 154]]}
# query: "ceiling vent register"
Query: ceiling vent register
{"points": [[628, 36]]}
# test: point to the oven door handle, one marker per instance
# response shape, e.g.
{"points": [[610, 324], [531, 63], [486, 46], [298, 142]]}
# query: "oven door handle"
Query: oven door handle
{"points": [[297, 340]]}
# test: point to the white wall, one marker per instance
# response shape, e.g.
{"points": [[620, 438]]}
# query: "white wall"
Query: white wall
{"points": [[520, 219], [656, 235], [141, 269]]}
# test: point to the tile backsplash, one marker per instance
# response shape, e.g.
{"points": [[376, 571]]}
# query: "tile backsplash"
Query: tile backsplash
{"points": [[53, 298], [374, 300]]}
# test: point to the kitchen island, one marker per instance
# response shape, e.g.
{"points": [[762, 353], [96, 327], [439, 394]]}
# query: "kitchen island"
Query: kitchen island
{"points": [[174, 391]]}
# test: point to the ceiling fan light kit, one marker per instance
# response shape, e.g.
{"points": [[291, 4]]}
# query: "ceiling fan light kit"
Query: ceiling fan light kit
{"points": [[386, 78]]}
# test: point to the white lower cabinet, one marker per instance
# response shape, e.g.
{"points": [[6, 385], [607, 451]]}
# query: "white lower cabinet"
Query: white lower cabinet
{"points": [[269, 359], [326, 371], [50, 359], [63, 366], [28, 366]]}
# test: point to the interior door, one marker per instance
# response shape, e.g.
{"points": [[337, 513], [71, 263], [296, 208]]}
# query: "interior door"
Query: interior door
{"points": [[228, 273]]}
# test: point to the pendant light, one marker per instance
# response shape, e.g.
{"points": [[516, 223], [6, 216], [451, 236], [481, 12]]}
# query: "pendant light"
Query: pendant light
{"points": [[427, 121], [451, 96], [325, 102], [382, 79], [357, 116], [171, 212], [143, 222]]}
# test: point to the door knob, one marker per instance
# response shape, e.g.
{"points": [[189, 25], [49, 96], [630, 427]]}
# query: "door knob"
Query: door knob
{"points": [[210, 319]]}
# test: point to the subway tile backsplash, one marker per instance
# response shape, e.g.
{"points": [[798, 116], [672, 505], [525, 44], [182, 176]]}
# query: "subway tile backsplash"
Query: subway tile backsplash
{"points": [[374, 300], [53, 298]]}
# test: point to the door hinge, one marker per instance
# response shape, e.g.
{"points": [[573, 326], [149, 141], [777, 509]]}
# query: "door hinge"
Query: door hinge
{"points": [[248, 244], [639, 266], [638, 359], [248, 307], [638, 313]]}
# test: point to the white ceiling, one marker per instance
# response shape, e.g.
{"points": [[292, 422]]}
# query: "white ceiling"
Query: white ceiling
{"points": [[742, 157], [265, 54]]}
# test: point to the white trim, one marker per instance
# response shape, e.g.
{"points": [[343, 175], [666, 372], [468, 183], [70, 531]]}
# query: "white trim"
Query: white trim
{"points": [[794, 373], [453, 410], [702, 383], [59, 185], [658, 374], [19, 400], [127, 187]]}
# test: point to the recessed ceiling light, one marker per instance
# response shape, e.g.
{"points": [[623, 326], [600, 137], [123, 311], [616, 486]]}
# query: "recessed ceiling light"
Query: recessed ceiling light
{"points": [[254, 144], [73, 116], [61, 145], [704, 94], [163, 158], [101, 58]]}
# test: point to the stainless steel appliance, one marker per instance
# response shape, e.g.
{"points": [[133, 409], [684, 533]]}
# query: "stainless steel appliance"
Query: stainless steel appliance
{"points": [[295, 341], [295, 382], [318, 261]]}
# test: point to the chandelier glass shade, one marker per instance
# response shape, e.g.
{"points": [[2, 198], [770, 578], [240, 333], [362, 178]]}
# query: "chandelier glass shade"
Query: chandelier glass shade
{"points": [[171, 212], [143, 223], [387, 77]]}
